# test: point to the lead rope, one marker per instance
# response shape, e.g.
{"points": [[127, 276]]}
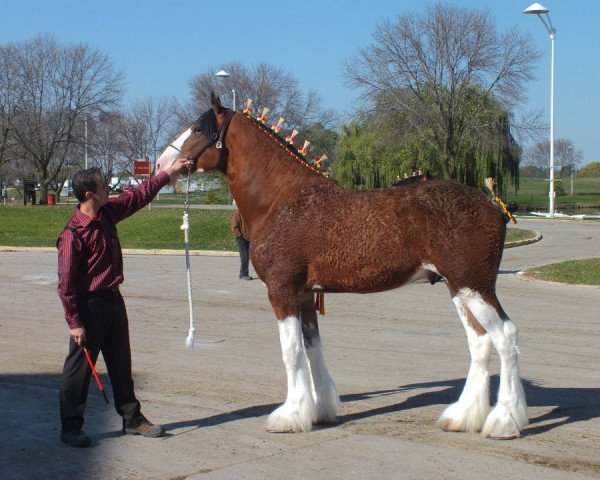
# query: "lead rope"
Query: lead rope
{"points": [[189, 342]]}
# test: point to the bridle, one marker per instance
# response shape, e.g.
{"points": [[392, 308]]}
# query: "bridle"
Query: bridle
{"points": [[216, 139]]}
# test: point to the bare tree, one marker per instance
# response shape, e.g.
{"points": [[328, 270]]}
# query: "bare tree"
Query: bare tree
{"points": [[566, 157], [442, 70], [148, 127], [58, 86], [9, 100], [268, 87]]}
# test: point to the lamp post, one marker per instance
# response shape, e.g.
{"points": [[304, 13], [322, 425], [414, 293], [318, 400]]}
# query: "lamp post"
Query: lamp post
{"points": [[537, 9], [223, 74]]}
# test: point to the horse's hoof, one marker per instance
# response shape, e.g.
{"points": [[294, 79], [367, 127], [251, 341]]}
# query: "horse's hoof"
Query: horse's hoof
{"points": [[501, 428], [449, 426], [507, 436], [279, 429]]}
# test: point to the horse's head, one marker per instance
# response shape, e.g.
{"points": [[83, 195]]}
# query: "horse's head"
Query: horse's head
{"points": [[202, 142]]}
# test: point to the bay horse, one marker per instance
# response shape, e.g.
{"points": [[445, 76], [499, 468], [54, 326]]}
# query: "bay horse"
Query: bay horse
{"points": [[308, 234]]}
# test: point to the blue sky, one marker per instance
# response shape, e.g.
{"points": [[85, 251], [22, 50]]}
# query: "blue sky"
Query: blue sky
{"points": [[160, 45]]}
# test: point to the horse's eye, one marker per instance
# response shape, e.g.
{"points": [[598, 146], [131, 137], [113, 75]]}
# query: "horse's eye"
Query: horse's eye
{"points": [[197, 130]]}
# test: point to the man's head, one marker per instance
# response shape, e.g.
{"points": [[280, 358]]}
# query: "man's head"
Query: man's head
{"points": [[89, 184]]}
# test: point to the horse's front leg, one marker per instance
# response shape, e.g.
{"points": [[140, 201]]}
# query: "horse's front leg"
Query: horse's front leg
{"points": [[298, 412], [323, 388]]}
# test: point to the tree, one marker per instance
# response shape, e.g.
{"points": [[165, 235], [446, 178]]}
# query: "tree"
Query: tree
{"points": [[566, 157], [268, 87], [590, 170], [453, 78], [148, 128], [59, 86], [9, 99], [381, 146]]}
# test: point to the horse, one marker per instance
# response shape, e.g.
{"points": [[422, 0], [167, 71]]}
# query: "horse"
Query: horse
{"points": [[310, 235]]}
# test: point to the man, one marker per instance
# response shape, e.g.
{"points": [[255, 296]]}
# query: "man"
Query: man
{"points": [[239, 232], [90, 270]]}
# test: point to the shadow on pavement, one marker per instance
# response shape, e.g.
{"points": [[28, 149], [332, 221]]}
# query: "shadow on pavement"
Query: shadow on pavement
{"points": [[30, 447], [571, 404]]}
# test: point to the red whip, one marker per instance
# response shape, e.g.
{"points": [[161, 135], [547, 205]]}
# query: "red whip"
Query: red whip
{"points": [[100, 386]]}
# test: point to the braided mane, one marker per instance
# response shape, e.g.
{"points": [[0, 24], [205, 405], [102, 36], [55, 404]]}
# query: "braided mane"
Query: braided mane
{"points": [[289, 148]]}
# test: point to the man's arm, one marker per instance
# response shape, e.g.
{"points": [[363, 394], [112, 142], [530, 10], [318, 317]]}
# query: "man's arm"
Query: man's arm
{"points": [[133, 200], [69, 257]]}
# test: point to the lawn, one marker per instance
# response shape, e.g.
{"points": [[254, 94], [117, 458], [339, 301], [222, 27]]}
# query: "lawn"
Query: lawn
{"points": [[533, 193], [577, 272], [158, 228]]}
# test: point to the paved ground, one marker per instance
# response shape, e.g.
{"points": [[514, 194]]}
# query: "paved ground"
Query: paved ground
{"points": [[398, 359]]}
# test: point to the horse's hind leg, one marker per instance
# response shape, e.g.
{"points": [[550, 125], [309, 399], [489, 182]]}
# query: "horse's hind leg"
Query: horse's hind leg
{"points": [[298, 411], [509, 416], [323, 388], [472, 408]]}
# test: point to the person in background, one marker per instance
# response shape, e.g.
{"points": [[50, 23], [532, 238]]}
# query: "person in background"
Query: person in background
{"points": [[239, 232], [90, 270]]}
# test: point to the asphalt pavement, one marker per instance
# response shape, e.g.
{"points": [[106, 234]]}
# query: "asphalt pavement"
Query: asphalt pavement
{"points": [[398, 359]]}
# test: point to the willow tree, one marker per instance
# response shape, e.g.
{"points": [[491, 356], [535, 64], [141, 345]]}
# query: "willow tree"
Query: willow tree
{"points": [[428, 67], [371, 154], [381, 146]]}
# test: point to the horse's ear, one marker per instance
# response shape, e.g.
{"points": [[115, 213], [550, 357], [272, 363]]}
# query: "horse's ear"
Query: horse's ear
{"points": [[215, 103]]}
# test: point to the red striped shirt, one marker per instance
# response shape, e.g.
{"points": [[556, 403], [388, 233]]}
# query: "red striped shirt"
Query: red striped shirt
{"points": [[91, 259]]}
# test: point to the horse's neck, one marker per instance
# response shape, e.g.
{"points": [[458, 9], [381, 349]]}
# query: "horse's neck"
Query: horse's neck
{"points": [[262, 175]]}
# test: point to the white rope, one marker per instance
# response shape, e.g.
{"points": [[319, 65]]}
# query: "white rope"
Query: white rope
{"points": [[189, 342]]}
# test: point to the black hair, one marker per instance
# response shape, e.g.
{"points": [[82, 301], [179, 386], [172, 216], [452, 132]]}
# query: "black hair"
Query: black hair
{"points": [[206, 123], [85, 181]]}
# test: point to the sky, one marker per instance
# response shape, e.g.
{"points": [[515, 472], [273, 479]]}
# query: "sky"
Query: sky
{"points": [[161, 45]]}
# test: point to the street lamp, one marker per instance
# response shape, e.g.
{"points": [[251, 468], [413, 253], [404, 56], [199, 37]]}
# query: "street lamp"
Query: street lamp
{"points": [[223, 74], [537, 9]]}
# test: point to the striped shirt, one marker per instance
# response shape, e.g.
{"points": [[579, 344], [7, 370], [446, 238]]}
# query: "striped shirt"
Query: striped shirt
{"points": [[90, 258]]}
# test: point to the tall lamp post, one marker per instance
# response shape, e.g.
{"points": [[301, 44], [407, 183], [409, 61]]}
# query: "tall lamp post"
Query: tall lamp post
{"points": [[539, 10], [223, 74]]}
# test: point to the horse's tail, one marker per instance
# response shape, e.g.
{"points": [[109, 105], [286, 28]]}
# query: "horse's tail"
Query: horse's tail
{"points": [[507, 208]]}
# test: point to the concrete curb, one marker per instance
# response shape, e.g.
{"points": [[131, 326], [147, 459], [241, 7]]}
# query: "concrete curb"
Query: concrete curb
{"points": [[527, 241], [523, 275]]}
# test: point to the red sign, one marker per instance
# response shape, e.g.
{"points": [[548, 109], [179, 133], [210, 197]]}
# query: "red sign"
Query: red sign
{"points": [[141, 167]]}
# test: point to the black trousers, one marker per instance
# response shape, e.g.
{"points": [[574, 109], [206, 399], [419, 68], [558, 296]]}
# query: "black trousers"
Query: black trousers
{"points": [[244, 248], [104, 317]]}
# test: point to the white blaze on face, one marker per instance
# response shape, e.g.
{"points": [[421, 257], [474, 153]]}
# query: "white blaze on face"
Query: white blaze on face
{"points": [[172, 152]]}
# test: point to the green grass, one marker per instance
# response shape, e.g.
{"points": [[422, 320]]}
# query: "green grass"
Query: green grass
{"points": [[576, 272], [518, 234], [533, 193], [159, 228]]}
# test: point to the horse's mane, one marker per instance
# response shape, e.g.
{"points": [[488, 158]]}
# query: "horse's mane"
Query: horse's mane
{"points": [[207, 124], [423, 177], [288, 147]]}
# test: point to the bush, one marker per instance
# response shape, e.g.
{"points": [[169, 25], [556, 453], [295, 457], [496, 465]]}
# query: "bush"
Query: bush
{"points": [[590, 170], [559, 189], [211, 198]]}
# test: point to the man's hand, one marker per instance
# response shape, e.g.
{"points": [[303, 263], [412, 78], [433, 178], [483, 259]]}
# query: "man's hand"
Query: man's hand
{"points": [[78, 335], [178, 167]]}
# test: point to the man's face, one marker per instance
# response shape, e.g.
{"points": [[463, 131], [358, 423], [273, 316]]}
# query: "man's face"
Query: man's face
{"points": [[101, 194]]}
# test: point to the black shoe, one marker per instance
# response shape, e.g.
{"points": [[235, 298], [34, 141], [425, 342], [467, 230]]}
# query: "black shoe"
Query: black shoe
{"points": [[246, 277], [75, 438], [144, 428]]}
